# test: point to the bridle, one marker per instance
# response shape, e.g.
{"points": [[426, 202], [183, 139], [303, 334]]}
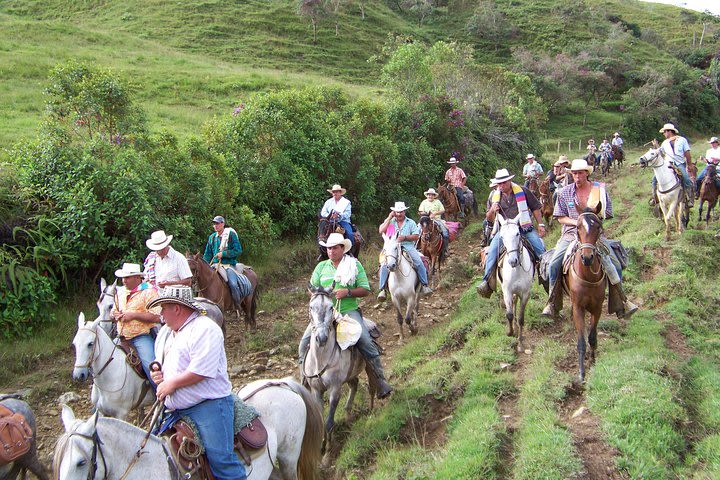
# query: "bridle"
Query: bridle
{"points": [[397, 261], [104, 294], [590, 246], [91, 360], [96, 451], [314, 327], [519, 248]]}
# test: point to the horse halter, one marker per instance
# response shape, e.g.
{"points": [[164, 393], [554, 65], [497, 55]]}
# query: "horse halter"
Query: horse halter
{"points": [[97, 449], [92, 354]]}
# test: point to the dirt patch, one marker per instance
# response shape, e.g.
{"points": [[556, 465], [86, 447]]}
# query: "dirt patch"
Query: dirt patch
{"points": [[430, 430], [676, 342]]}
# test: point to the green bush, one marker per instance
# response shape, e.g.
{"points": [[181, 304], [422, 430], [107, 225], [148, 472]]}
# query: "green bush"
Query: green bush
{"points": [[25, 298]]}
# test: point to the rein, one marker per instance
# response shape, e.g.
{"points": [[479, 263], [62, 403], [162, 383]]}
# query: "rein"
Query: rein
{"points": [[595, 251], [105, 365], [97, 449]]}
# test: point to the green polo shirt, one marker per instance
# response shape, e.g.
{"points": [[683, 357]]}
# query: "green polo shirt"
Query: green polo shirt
{"points": [[324, 275]]}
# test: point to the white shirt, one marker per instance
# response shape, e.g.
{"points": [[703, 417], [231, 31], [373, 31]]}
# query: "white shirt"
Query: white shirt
{"points": [[532, 169], [617, 141], [173, 268], [713, 154], [676, 154], [342, 206]]}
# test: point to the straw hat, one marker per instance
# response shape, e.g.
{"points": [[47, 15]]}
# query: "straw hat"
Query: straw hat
{"points": [[529, 156], [669, 126], [581, 164], [453, 161], [129, 270], [616, 134], [337, 239], [502, 175], [563, 160], [180, 294], [713, 140], [336, 188], [158, 240], [430, 191], [399, 207]]}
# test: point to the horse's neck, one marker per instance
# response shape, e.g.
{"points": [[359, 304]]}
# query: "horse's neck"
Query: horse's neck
{"points": [[120, 443], [665, 176], [321, 356], [104, 349]]}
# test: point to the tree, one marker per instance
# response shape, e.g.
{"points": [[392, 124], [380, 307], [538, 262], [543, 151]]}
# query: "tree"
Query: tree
{"points": [[314, 10], [490, 24]]}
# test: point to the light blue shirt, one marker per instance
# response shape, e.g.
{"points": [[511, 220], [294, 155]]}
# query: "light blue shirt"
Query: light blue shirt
{"points": [[409, 228], [343, 207], [676, 154]]}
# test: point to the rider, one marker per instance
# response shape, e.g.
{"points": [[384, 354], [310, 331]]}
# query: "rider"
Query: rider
{"points": [[338, 207], [488, 226], [511, 200], [134, 319], [591, 147], [571, 200], [455, 177], [617, 141], [433, 208], [170, 267], [711, 156], [222, 250], [531, 170], [346, 276], [408, 233], [606, 147], [677, 149], [194, 379]]}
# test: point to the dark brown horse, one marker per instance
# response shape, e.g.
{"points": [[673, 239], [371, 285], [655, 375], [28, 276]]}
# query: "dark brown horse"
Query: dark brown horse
{"points": [[431, 245], [546, 201], [209, 284], [708, 192], [449, 199], [328, 225], [585, 283], [533, 184], [618, 156]]}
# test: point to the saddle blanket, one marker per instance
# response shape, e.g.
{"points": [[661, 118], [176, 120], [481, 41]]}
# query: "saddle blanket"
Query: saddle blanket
{"points": [[245, 285]]}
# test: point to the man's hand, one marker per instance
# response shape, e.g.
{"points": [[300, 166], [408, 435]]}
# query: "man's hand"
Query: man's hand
{"points": [[219, 255], [495, 207], [118, 316], [164, 388]]}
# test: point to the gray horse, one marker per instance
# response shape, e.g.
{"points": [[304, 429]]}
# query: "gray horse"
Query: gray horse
{"points": [[29, 461]]}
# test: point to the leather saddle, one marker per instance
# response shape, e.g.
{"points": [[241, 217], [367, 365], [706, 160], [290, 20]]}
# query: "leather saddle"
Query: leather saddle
{"points": [[132, 357], [16, 436]]}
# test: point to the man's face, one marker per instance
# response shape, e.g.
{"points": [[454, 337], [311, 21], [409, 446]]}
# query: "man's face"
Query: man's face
{"points": [[714, 144], [132, 282], [668, 133], [505, 187], [218, 226], [337, 194], [171, 314], [163, 252], [336, 252], [580, 177], [400, 215]]}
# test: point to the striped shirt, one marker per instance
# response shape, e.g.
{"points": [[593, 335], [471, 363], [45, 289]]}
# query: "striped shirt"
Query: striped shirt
{"points": [[324, 275], [198, 347], [171, 268], [567, 205]]}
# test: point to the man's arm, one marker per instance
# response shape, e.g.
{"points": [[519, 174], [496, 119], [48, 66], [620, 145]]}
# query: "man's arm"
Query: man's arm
{"points": [[208, 255], [384, 226], [168, 387]]}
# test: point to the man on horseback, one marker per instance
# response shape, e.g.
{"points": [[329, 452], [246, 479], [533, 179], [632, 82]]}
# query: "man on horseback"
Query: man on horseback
{"points": [[456, 178], [532, 170], [194, 380], [711, 156], [572, 200], [222, 250], [170, 267], [605, 147], [134, 319], [408, 233], [339, 208], [433, 208], [617, 141], [511, 200], [346, 276], [677, 149], [558, 176]]}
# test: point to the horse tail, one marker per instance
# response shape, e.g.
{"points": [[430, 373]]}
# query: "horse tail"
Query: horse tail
{"points": [[475, 206], [310, 450]]}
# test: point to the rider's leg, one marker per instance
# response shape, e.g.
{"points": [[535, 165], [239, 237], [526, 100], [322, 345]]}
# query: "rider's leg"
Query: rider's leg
{"points": [[304, 344], [234, 284], [699, 181], [555, 288], [384, 274], [348, 231], [654, 199], [536, 242], [687, 184], [145, 346], [461, 199], [491, 259], [420, 268], [372, 355], [446, 236]]}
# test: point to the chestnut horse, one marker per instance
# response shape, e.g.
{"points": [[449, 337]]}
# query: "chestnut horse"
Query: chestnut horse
{"points": [[431, 245], [585, 283], [326, 226], [708, 192], [449, 199], [546, 201], [618, 156], [209, 284]]}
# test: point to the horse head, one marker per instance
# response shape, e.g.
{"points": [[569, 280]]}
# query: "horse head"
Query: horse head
{"points": [[653, 157], [589, 230], [321, 312], [391, 247], [105, 304], [510, 234], [85, 343], [78, 449]]}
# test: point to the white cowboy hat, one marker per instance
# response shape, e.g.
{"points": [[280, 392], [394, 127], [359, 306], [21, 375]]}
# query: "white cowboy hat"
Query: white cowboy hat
{"points": [[337, 239], [452, 161], [581, 164], [180, 294], [669, 126], [129, 270], [502, 175], [529, 156], [713, 140], [158, 240], [430, 191], [336, 188], [616, 134], [399, 207], [561, 161]]}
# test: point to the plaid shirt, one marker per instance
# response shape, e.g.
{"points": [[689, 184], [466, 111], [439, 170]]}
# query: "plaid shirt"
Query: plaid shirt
{"points": [[455, 176], [566, 206]]}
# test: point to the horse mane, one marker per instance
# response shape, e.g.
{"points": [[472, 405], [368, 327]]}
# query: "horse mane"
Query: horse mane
{"points": [[60, 447]]}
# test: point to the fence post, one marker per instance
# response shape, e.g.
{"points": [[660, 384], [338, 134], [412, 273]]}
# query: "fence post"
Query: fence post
{"points": [[558, 146], [569, 145], [579, 145]]}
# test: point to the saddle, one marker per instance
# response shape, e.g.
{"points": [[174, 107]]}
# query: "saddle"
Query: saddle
{"points": [[425, 260], [245, 285], [132, 357], [15, 435]]}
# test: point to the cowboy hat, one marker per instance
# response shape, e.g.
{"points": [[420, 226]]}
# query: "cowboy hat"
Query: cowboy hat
{"points": [[430, 191], [713, 140], [581, 164], [452, 161], [616, 134], [529, 156], [180, 294], [563, 160], [129, 270], [218, 219], [669, 126], [502, 175], [336, 188], [337, 239], [399, 207], [158, 240]]}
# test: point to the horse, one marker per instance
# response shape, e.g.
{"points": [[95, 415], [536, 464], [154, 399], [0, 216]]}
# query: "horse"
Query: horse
{"points": [[618, 156], [533, 185], [471, 206], [116, 389], [708, 192], [103, 447], [515, 277], [670, 192], [431, 245], [29, 461], [326, 367], [591, 158], [105, 304], [328, 225], [605, 162], [403, 284], [546, 201], [210, 285], [448, 197], [585, 283]]}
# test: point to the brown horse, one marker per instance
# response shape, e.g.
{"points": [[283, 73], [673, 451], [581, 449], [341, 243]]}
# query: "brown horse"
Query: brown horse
{"points": [[546, 201], [708, 192], [618, 156], [533, 185], [431, 245], [449, 199], [209, 284], [328, 225], [585, 282]]}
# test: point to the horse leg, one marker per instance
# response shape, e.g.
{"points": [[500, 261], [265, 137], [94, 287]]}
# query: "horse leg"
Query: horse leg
{"points": [[578, 320], [351, 397], [334, 399], [399, 318], [521, 320], [508, 304], [702, 200], [410, 316], [592, 335]]}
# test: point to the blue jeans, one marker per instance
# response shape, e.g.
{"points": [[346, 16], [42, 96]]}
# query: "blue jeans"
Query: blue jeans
{"points": [[348, 231], [701, 177], [145, 346], [365, 344], [492, 256], [417, 263], [234, 284], [461, 196], [214, 419], [687, 183], [610, 262]]}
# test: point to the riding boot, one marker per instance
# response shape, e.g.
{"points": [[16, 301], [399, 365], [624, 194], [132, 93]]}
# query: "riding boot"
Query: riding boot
{"points": [[654, 200], [383, 388], [484, 289], [554, 304], [628, 307], [382, 295]]}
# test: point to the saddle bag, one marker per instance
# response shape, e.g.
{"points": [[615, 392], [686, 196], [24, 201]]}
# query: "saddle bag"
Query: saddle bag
{"points": [[253, 435], [620, 252], [15, 436]]}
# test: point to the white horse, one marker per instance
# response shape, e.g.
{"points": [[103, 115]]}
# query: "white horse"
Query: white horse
{"points": [[108, 448], [515, 277], [327, 367], [670, 192], [116, 389], [105, 304], [403, 284]]}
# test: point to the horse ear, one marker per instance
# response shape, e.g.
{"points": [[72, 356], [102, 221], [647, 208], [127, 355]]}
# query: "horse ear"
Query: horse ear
{"points": [[311, 288], [195, 257], [81, 320], [68, 417], [114, 284], [103, 284], [501, 219]]}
